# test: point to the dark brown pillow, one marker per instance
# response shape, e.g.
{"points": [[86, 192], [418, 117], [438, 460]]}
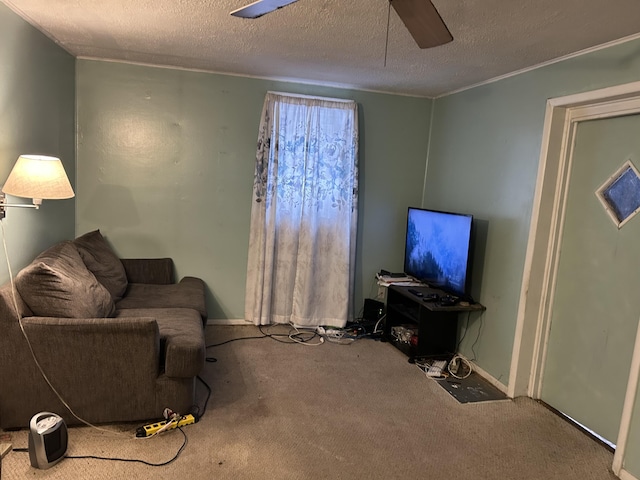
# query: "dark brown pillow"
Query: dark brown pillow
{"points": [[102, 261], [58, 284]]}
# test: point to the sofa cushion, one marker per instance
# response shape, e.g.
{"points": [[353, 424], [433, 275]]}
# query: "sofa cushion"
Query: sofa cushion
{"points": [[181, 338], [102, 261], [158, 271], [189, 293], [58, 284]]}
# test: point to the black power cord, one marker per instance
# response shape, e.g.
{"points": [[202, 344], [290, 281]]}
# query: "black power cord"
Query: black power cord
{"points": [[129, 460], [195, 411], [289, 337], [237, 339], [213, 360]]}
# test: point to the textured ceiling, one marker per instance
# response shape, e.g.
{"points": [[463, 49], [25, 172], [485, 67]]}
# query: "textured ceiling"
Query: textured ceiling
{"points": [[334, 42]]}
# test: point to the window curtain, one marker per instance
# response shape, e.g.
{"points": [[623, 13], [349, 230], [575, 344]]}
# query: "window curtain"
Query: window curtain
{"points": [[304, 213]]}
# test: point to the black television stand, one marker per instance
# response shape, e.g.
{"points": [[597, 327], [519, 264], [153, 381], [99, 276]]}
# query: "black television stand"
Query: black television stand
{"points": [[422, 321]]}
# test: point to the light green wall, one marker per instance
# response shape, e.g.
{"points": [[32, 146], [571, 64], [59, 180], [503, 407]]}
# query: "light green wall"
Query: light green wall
{"points": [[483, 160], [37, 94], [166, 160]]}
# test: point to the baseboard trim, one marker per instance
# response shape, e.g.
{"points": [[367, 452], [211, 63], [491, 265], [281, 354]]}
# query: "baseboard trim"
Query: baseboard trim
{"points": [[624, 475], [491, 379], [228, 321]]}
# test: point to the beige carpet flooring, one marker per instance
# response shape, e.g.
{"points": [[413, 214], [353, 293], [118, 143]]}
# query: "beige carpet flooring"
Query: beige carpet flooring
{"points": [[282, 411]]}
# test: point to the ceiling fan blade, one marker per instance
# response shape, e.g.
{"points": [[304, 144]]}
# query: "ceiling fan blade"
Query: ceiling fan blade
{"points": [[423, 22], [261, 7]]}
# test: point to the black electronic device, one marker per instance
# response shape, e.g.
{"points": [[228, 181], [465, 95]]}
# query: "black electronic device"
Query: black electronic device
{"points": [[431, 297], [47, 440], [448, 301], [373, 310], [438, 249], [417, 293]]}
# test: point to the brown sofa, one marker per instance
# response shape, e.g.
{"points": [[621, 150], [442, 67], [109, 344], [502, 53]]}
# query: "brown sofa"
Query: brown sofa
{"points": [[117, 339]]}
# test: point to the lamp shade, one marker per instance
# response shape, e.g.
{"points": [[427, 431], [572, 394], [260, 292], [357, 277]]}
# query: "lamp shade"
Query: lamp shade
{"points": [[38, 177]]}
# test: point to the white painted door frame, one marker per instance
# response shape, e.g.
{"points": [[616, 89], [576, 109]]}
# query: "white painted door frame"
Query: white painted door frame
{"points": [[562, 117]]}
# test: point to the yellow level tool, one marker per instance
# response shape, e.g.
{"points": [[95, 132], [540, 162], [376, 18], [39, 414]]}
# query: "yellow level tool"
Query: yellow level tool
{"points": [[153, 428]]}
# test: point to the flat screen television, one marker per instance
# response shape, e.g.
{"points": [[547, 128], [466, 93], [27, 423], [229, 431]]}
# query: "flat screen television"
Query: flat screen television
{"points": [[437, 249]]}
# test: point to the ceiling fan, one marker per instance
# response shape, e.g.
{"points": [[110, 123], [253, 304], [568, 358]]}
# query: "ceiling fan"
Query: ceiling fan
{"points": [[419, 16]]}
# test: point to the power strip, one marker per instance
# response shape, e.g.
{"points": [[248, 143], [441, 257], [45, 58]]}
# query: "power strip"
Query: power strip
{"points": [[436, 368], [153, 428]]}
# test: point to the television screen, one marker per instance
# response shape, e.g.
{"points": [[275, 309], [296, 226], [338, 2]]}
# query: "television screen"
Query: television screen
{"points": [[437, 249]]}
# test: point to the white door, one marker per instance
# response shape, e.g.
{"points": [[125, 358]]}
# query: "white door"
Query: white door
{"points": [[596, 300]]}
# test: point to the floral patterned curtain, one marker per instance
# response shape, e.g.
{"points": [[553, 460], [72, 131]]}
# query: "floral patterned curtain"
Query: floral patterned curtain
{"points": [[304, 213]]}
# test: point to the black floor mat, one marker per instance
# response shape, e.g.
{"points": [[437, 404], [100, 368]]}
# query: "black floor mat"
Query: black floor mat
{"points": [[474, 388]]}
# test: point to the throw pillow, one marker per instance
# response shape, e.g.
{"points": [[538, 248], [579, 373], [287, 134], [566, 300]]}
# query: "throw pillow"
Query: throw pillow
{"points": [[58, 284], [102, 261]]}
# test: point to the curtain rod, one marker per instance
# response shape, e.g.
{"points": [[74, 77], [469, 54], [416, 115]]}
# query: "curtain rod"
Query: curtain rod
{"points": [[312, 97]]}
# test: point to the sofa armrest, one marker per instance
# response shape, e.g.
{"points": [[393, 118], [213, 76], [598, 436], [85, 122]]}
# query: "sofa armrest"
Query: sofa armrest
{"points": [[99, 365], [157, 271]]}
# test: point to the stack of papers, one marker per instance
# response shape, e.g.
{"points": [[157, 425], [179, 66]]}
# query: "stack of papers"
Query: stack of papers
{"points": [[386, 280]]}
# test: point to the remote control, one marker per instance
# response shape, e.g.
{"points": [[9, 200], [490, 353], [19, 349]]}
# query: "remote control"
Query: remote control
{"points": [[448, 301], [417, 293]]}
